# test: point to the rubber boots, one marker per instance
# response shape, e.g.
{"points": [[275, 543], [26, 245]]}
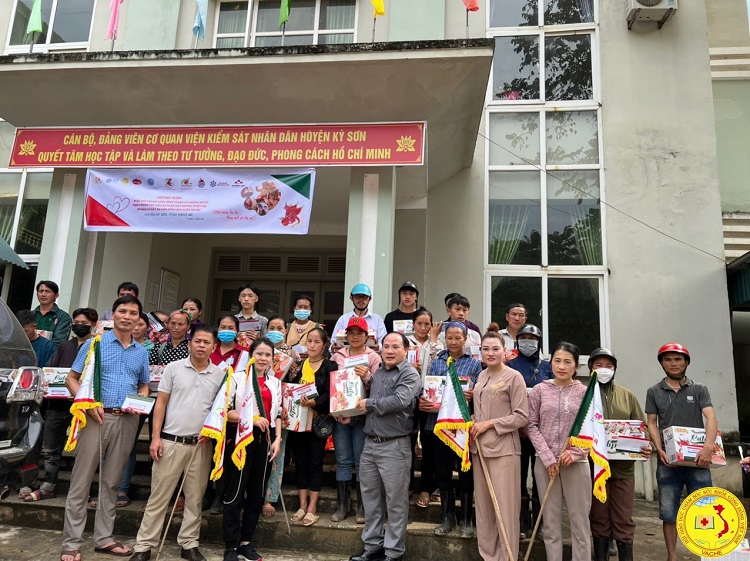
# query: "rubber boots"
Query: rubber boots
{"points": [[448, 502], [467, 528], [342, 492], [625, 551], [360, 506], [601, 549]]}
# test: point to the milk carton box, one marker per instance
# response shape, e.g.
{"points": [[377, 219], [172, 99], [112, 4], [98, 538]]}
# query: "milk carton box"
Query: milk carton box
{"points": [[682, 445], [625, 439], [433, 388], [54, 383], [294, 417], [347, 389]]}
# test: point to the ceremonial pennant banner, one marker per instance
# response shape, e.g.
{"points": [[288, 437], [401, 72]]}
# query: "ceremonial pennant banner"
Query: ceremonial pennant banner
{"points": [[231, 201], [364, 144]]}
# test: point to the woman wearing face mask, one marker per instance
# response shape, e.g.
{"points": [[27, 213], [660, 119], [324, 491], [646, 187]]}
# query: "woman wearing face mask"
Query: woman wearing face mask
{"points": [[309, 449], [553, 406], [302, 324], [227, 350], [243, 495], [614, 519], [276, 333], [500, 409], [534, 369]]}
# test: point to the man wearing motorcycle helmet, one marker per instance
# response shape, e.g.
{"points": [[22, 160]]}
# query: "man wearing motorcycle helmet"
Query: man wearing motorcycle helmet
{"points": [[361, 295], [534, 370], [614, 519], [678, 401]]}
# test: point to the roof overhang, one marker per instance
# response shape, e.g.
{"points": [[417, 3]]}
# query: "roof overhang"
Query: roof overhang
{"points": [[441, 82], [8, 256]]}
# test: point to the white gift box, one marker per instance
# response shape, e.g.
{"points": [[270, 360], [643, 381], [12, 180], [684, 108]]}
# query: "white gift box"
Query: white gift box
{"points": [[54, 383], [682, 445], [295, 417], [347, 389], [625, 438]]}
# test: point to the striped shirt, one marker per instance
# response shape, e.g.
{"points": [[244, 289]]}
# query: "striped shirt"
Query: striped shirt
{"points": [[465, 366], [123, 368]]}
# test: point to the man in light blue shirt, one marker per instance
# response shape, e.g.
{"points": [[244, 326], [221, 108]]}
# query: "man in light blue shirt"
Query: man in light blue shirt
{"points": [[109, 432]]}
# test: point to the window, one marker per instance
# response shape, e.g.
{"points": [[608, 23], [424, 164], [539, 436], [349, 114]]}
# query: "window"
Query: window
{"points": [[545, 242], [311, 22], [65, 24]]}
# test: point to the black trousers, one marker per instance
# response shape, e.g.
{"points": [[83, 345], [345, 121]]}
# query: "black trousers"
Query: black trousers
{"points": [[528, 456], [243, 494], [308, 459], [430, 442], [446, 461]]}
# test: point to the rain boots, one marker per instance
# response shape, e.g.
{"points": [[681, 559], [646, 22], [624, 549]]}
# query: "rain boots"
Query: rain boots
{"points": [[342, 492], [625, 551], [448, 502], [467, 528], [601, 549]]}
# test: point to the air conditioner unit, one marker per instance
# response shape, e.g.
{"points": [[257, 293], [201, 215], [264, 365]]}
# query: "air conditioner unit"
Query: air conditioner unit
{"points": [[658, 11]]}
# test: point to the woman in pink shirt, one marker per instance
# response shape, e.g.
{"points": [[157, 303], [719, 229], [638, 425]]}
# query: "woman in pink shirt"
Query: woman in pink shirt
{"points": [[553, 406]]}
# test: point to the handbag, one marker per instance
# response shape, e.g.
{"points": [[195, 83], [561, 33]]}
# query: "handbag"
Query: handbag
{"points": [[322, 426]]}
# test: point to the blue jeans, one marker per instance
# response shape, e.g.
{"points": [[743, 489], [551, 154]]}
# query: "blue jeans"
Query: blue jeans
{"points": [[671, 480], [348, 441]]}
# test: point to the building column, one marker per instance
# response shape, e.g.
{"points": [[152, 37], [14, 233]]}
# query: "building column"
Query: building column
{"points": [[369, 251]]}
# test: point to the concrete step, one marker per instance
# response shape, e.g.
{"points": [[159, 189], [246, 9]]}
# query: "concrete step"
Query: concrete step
{"points": [[325, 537]]}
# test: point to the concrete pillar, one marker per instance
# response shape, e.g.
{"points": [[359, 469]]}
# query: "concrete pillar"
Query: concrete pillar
{"points": [[369, 253]]}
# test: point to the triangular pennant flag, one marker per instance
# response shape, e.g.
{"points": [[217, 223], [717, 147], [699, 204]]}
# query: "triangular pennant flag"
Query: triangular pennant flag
{"points": [[215, 425], [454, 421], [471, 5], [284, 11], [99, 215], [35, 18], [199, 27], [588, 431], [114, 19], [89, 393], [378, 8]]}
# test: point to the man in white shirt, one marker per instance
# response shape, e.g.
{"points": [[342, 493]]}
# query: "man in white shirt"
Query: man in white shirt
{"points": [[186, 392], [515, 316], [361, 296]]}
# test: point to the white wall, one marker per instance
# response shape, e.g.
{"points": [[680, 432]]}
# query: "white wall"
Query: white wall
{"points": [[125, 258], [661, 167]]}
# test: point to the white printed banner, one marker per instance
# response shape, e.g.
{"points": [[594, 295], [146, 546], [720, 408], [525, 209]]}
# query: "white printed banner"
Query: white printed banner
{"points": [[215, 201]]}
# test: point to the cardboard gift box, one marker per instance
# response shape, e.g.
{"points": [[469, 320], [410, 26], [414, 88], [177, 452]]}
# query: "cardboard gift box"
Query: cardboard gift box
{"points": [[346, 390], [154, 376], [282, 362], [625, 438], [405, 326], [433, 388], [294, 416], [412, 356], [54, 383], [682, 445]]}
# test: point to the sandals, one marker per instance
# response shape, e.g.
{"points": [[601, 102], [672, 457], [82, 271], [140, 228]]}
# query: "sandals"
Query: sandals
{"points": [[24, 492], [423, 501], [74, 553], [310, 519], [122, 500], [268, 510], [110, 550], [39, 495], [92, 505], [298, 516]]}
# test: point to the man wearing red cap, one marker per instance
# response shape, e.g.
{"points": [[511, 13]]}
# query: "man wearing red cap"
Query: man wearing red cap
{"points": [[678, 401]]}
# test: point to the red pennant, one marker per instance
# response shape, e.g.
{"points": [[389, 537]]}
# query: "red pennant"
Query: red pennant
{"points": [[99, 215]]}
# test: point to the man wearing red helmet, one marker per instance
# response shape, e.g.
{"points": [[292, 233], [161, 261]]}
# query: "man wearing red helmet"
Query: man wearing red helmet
{"points": [[678, 401]]}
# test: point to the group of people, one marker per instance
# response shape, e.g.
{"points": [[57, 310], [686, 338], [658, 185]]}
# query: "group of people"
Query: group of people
{"points": [[522, 405]]}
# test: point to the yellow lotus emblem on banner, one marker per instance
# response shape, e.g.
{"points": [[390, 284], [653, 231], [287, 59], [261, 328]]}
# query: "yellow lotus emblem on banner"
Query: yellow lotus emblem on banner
{"points": [[27, 148], [711, 522], [406, 144]]}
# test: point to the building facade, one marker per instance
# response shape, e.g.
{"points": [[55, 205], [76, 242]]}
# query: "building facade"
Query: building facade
{"points": [[572, 164]]}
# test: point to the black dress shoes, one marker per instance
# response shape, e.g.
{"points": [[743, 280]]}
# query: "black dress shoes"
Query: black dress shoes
{"points": [[191, 554], [374, 555], [141, 555]]}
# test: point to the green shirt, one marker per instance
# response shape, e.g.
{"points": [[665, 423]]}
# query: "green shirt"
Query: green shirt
{"points": [[56, 321], [621, 404]]}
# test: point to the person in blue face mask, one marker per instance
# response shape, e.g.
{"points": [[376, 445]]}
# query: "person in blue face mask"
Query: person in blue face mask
{"points": [[284, 370], [302, 324], [227, 350]]}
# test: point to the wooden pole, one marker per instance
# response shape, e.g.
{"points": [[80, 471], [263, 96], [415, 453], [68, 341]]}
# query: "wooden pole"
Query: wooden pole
{"points": [[498, 516], [539, 517]]}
